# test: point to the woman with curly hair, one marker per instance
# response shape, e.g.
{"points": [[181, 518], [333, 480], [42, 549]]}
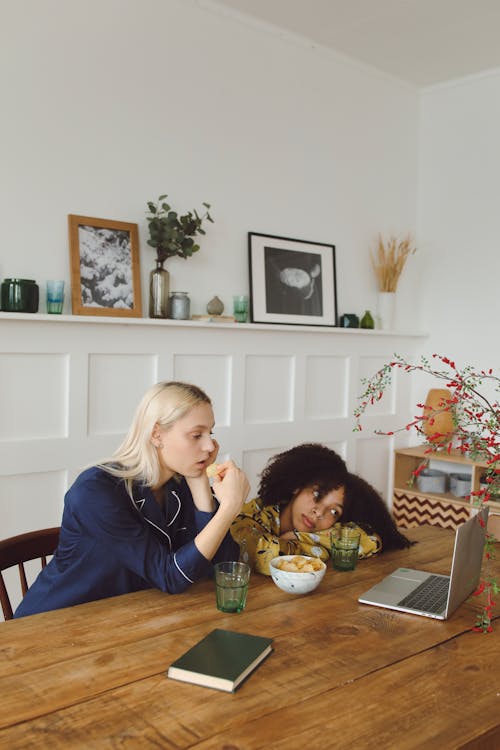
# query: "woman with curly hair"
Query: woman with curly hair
{"points": [[303, 493]]}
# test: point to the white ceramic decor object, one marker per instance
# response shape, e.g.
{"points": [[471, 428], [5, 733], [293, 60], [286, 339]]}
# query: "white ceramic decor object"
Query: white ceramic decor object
{"points": [[386, 310]]}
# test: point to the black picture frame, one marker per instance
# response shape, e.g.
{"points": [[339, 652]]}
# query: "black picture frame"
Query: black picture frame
{"points": [[292, 281]]}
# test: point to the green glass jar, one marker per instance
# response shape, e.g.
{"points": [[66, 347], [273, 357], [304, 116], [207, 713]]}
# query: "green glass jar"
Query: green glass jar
{"points": [[20, 295], [367, 320]]}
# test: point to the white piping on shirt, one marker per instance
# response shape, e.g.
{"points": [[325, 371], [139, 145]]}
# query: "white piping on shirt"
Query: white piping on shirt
{"points": [[181, 571], [178, 509], [167, 535], [159, 529]]}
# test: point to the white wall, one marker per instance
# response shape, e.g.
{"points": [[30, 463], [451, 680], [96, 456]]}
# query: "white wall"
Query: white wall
{"points": [[271, 387], [108, 103], [459, 219]]}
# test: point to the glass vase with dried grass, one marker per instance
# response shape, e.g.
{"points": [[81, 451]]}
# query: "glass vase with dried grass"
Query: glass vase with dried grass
{"points": [[390, 259], [388, 263]]}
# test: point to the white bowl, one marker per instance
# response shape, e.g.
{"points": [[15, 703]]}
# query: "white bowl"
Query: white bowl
{"points": [[296, 583]]}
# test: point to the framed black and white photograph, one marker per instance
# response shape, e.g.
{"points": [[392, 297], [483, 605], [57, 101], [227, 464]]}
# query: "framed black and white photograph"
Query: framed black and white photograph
{"points": [[105, 274], [292, 281]]}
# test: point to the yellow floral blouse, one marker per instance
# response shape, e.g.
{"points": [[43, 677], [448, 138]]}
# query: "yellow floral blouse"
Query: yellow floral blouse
{"points": [[257, 532]]}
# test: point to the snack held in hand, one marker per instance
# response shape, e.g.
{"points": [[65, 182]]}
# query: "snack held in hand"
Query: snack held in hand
{"points": [[213, 470]]}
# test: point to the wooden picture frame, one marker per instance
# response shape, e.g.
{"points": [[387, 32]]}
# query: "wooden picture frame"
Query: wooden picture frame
{"points": [[105, 272], [292, 281]]}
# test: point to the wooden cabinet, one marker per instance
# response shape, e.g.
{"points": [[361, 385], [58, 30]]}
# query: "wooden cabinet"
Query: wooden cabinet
{"points": [[412, 507]]}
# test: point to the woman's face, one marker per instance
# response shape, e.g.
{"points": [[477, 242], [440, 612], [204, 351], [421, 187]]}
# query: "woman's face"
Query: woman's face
{"points": [[188, 446], [310, 513]]}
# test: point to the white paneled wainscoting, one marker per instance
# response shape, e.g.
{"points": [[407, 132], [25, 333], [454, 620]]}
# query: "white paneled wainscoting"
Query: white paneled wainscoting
{"points": [[70, 385]]}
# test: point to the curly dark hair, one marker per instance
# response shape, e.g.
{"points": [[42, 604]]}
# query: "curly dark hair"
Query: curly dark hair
{"points": [[315, 465], [364, 506], [307, 465]]}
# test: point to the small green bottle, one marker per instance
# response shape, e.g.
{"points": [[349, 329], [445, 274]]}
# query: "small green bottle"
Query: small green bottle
{"points": [[367, 320]]}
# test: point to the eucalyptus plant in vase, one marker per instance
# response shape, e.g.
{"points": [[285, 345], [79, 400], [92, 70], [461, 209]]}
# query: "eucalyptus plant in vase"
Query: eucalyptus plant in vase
{"points": [[171, 235]]}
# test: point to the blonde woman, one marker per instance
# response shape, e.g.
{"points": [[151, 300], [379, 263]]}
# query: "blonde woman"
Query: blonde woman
{"points": [[146, 517]]}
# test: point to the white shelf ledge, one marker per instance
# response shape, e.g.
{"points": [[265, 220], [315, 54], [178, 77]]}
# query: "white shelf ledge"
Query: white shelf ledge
{"points": [[125, 321]]}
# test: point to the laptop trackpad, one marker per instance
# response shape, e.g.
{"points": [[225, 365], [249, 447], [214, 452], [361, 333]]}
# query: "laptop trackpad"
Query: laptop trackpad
{"points": [[395, 587]]}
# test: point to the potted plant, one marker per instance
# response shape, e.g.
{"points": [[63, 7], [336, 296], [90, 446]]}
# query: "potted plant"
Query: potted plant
{"points": [[475, 408], [171, 235]]}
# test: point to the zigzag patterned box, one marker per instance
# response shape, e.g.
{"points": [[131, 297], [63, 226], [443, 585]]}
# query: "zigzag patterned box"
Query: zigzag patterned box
{"points": [[410, 511]]}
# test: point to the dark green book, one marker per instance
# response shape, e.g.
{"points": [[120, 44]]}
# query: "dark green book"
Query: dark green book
{"points": [[221, 660]]}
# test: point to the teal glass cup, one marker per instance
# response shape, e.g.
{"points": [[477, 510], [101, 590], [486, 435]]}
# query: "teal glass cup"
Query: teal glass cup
{"points": [[55, 297], [231, 585], [240, 308]]}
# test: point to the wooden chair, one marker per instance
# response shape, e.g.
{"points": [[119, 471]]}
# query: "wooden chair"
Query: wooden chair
{"points": [[20, 549]]}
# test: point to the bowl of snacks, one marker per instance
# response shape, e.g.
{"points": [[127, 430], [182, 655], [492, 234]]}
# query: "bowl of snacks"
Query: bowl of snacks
{"points": [[297, 574]]}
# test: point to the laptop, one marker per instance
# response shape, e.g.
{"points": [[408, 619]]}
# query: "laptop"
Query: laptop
{"points": [[429, 594]]}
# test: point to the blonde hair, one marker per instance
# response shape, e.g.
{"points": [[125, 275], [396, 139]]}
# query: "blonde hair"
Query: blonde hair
{"points": [[136, 459]]}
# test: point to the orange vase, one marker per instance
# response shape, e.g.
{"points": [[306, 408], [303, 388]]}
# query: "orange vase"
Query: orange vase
{"points": [[438, 424]]}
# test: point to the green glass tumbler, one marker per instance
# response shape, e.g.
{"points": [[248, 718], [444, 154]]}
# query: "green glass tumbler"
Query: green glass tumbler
{"points": [[231, 585], [345, 546]]}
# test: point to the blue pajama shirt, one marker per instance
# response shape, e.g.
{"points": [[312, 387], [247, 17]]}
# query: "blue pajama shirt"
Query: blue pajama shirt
{"points": [[111, 545]]}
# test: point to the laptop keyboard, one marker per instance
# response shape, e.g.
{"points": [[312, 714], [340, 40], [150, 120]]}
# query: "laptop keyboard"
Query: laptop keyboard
{"points": [[430, 596]]}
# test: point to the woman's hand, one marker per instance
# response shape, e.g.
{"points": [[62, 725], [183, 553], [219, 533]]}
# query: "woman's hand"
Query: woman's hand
{"points": [[231, 488], [200, 486], [288, 535]]}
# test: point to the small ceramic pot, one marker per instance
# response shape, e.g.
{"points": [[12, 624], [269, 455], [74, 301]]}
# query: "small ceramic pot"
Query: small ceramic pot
{"points": [[215, 306]]}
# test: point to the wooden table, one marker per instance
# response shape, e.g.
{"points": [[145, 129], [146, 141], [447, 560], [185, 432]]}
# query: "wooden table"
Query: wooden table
{"points": [[342, 674]]}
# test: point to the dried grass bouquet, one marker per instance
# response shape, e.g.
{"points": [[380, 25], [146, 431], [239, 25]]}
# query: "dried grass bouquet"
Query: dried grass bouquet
{"points": [[389, 261]]}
